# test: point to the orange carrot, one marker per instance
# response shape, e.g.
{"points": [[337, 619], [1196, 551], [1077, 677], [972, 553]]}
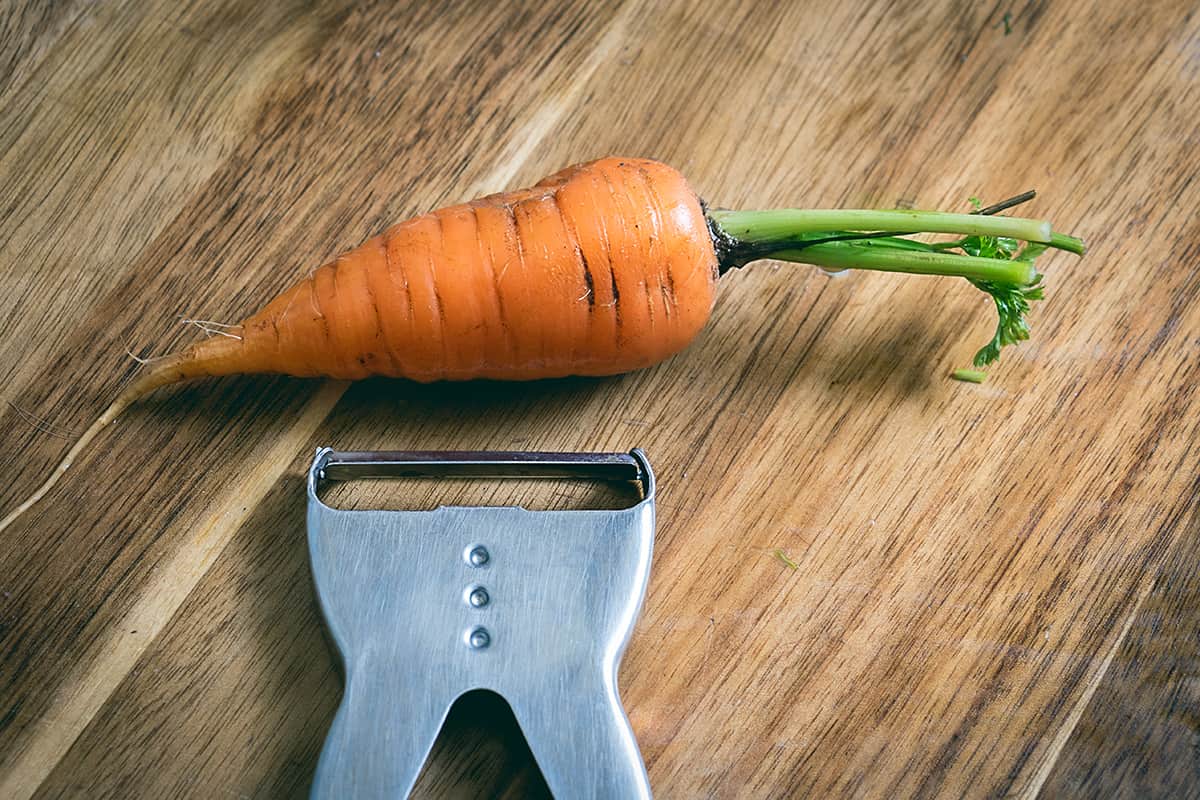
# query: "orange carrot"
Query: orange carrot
{"points": [[599, 269]]}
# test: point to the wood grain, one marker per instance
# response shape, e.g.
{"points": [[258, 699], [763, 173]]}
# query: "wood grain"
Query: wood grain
{"points": [[1140, 733], [992, 595]]}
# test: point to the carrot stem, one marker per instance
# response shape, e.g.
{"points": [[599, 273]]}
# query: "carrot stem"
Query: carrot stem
{"points": [[997, 253], [781, 224], [862, 239], [1071, 244], [866, 255]]}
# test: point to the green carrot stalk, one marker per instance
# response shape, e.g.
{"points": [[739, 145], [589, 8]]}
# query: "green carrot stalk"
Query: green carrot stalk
{"points": [[866, 255], [783, 224], [995, 253]]}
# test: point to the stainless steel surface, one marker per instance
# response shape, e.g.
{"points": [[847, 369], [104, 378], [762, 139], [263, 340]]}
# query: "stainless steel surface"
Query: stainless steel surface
{"points": [[534, 605]]}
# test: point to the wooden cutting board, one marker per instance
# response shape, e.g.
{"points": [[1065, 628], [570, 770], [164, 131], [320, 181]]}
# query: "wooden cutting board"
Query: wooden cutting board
{"points": [[994, 592]]}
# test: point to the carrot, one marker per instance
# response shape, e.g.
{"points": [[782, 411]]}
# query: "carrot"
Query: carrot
{"points": [[599, 269]]}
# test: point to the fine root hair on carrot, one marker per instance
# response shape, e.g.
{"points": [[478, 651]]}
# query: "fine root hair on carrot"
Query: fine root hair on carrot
{"points": [[141, 359], [169, 369], [212, 328], [129, 352], [41, 423]]}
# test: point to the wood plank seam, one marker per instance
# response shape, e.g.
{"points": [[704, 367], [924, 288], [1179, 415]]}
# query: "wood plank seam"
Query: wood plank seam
{"points": [[1068, 727], [85, 694]]}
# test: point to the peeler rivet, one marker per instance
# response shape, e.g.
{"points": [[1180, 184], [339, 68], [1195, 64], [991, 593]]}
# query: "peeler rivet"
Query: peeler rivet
{"points": [[478, 556], [479, 638], [478, 597]]}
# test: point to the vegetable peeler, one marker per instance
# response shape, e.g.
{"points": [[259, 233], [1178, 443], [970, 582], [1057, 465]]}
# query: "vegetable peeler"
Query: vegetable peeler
{"points": [[424, 606]]}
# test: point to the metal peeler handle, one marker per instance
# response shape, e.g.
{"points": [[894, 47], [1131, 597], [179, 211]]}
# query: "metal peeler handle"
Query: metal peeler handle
{"points": [[536, 606]]}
